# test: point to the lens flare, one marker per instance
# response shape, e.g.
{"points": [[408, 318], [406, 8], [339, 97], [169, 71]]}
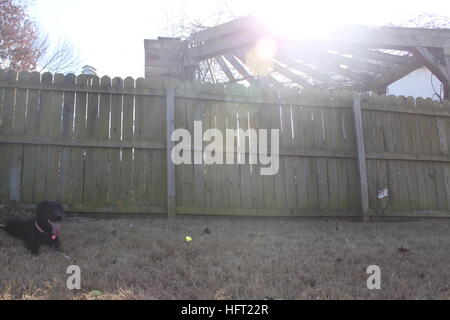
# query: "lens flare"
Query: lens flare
{"points": [[266, 48], [260, 58]]}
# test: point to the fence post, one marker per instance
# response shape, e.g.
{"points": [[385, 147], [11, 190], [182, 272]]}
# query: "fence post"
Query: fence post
{"points": [[361, 157], [170, 121]]}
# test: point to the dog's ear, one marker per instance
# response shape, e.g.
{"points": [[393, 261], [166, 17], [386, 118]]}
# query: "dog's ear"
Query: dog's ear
{"points": [[59, 205], [41, 206]]}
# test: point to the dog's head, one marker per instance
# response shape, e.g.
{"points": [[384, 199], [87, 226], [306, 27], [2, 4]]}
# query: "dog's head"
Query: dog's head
{"points": [[48, 216]]}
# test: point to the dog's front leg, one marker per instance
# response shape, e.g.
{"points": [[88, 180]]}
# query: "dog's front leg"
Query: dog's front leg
{"points": [[32, 243], [57, 244], [34, 248]]}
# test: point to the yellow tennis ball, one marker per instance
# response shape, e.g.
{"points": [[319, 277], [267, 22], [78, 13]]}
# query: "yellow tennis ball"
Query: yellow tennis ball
{"points": [[188, 239]]}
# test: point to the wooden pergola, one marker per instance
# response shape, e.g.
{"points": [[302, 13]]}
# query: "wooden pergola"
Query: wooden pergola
{"points": [[355, 57]]}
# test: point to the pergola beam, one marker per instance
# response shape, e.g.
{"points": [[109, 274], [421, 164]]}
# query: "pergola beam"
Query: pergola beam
{"points": [[224, 44], [236, 64], [211, 72], [395, 74], [321, 55], [333, 68], [239, 68], [291, 75], [315, 74], [281, 70], [427, 58], [234, 26], [378, 55], [242, 56], [274, 81], [224, 67], [353, 63], [383, 37]]}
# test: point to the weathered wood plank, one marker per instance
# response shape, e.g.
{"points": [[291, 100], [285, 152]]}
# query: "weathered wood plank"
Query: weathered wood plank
{"points": [[200, 190], [268, 181], [114, 186], [29, 158], [18, 128], [171, 179], [406, 124], [209, 170], [261, 212], [126, 169], [65, 181], [102, 132], [52, 186], [292, 128], [90, 185], [234, 175], [244, 113], [446, 174], [42, 130], [156, 131], [8, 170], [184, 172], [353, 183], [429, 145], [256, 178], [331, 125], [78, 153], [361, 158], [279, 178], [403, 200], [302, 187], [139, 156], [220, 173]]}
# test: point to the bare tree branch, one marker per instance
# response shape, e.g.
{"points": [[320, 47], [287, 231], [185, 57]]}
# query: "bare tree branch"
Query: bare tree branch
{"points": [[185, 27], [61, 59]]}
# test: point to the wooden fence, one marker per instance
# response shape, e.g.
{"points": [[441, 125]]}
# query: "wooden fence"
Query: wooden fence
{"points": [[100, 145]]}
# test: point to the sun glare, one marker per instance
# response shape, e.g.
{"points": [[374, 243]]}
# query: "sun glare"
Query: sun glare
{"points": [[296, 22], [266, 48], [300, 20]]}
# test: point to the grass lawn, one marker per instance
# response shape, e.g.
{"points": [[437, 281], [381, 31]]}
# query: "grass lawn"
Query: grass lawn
{"points": [[239, 258]]}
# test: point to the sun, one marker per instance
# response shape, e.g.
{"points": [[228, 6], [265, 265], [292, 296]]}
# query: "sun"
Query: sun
{"points": [[299, 19], [266, 48]]}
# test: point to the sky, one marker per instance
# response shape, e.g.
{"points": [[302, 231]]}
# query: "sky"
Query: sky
{"points": [[109, 34]]}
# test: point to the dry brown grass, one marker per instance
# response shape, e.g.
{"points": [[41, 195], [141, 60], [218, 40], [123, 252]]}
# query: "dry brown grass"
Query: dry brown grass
{"points": [[240, 259]]}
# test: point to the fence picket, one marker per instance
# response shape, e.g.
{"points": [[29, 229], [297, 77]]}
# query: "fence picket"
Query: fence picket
{"points": [[90, 185], [126, 169]]}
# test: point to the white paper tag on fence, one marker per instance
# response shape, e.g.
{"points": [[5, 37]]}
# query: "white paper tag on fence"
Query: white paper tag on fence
{"points": [[383, 193]]}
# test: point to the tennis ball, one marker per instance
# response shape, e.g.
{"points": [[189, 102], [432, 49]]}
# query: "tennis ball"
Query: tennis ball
{"points": [[95, 293], [188, 239]]}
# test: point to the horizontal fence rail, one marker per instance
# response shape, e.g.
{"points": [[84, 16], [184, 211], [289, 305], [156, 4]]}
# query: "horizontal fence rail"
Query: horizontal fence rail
{"points": [[103, 145]]}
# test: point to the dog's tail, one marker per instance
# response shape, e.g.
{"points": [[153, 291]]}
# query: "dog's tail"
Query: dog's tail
{"points": [[2, 227]]}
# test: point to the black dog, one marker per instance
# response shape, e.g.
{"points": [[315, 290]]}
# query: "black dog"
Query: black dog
{"points": [[42, 230]]}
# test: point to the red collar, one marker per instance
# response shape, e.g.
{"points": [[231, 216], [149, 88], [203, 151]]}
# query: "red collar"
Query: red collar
{"points": [[42, 231]]}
